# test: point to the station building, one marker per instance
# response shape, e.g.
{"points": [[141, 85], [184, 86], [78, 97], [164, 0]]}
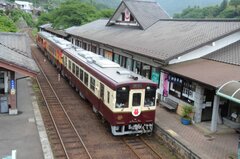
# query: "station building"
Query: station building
{"points": [[16, 63], [195, 62]]}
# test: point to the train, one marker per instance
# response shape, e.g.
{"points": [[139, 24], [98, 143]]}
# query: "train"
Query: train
{"points": [[126, 100]]}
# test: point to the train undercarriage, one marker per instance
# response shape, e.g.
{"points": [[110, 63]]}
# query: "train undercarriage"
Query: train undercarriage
{"points": [[132, 129]]}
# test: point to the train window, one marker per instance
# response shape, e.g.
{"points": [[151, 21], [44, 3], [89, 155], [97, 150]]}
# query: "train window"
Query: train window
{"points": [[92, 83], [136, 99], [122, 97], [73, 68], [86, 78], [102, 91], [108, 97], [65, 61], [69, 65], [81, 74], [77, 71], [150, 95]]}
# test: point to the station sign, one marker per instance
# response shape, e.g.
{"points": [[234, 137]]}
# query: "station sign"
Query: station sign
{"points": [[12, 85]]}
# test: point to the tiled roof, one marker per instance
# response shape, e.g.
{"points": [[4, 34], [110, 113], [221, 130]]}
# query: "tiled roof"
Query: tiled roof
{"points": [[229, 54], [209, 72], [15, 49], [56, 32], [146, 12], [164, 40]]}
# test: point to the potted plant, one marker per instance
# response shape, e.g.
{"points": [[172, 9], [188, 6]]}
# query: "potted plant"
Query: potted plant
{"points": [[186, 111]]}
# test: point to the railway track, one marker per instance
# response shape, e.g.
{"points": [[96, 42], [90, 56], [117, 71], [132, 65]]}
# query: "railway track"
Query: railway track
{"points": [[102, 145], [71, 145], [141, 148]]}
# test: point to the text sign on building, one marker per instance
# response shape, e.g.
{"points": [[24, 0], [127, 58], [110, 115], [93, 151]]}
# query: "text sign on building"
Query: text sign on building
{"points": [[12, 83]]}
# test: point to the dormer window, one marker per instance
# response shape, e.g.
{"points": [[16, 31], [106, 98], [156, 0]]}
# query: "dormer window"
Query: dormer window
{"points": [[127, 16]]}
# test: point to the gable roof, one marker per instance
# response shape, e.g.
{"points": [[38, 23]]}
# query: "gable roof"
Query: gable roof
{"points": [[229, 54], [145, 12], [165, 40], [15, 54]]}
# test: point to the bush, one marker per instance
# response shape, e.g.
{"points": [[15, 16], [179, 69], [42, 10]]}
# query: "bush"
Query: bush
{"points": [[186, 111]]}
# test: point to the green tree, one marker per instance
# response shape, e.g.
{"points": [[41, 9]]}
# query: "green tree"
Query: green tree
{"points": [[235, 3], [222, 11], [106, 13], [7, 25], [223, 5], [16, 14], [72, 13]]}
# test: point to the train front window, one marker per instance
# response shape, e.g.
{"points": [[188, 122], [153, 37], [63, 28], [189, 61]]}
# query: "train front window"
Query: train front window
{"points": [[150, 95], [136, 99], [122, 97]]}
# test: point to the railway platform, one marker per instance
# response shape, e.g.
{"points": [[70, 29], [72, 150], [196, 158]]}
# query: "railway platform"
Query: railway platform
{"points": [[197, 138], [24, 132]]}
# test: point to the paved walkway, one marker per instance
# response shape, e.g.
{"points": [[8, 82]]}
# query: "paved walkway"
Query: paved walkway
{"points": [[22, 132], [205, 145]]}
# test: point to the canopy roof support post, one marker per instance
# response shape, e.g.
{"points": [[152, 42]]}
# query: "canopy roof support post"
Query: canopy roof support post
{"points": [[215, 114]]}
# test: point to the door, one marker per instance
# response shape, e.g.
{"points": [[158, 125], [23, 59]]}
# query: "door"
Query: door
{"points": [[136, 100]]}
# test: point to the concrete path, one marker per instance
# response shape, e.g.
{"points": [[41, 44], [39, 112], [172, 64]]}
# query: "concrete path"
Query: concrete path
{"points": [[20, 132], [205, 145]]}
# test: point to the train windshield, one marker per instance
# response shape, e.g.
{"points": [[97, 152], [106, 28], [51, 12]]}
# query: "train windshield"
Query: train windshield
{"points": [[150, 95], [136, 99], [122, 97]]}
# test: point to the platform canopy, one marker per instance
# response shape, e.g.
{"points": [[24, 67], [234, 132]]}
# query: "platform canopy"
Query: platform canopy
{"points": [[230, 90]]}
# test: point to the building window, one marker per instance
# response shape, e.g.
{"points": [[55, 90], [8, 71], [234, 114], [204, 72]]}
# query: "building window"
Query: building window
{"points": [[182, 89], [146, 71], [116, 58], [123, 61], [84, 46], [129, 64], [89, 47], [108, 55], [137, 67], [77, 42], [94, 49]]}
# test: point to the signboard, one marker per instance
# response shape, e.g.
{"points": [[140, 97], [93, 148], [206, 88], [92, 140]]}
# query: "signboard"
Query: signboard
{"points": [[155, 77], [12, 85]]}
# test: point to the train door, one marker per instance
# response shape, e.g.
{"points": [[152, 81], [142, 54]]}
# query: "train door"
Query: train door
{"points": [[136, 100]]}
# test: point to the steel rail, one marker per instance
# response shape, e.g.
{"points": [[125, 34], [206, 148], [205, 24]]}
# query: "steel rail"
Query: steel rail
{"points": [[63, 110]]}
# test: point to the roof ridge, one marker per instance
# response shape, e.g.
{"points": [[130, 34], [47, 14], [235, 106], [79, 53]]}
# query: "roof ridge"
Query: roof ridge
{"points": [[146, 1], [201, 20]]}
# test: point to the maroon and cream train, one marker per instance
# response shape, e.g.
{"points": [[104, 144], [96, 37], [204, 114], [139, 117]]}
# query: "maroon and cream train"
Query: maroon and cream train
{"points": [[125, 99]]}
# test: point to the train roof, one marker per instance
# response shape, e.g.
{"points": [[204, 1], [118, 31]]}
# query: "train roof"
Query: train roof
{"points": [[104, 66]]}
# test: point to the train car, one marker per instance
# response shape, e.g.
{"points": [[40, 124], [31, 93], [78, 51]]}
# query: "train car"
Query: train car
{"points": [[125, 99]]}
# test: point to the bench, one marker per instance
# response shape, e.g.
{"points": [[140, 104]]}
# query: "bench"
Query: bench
{"points": [[170, 104]]}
